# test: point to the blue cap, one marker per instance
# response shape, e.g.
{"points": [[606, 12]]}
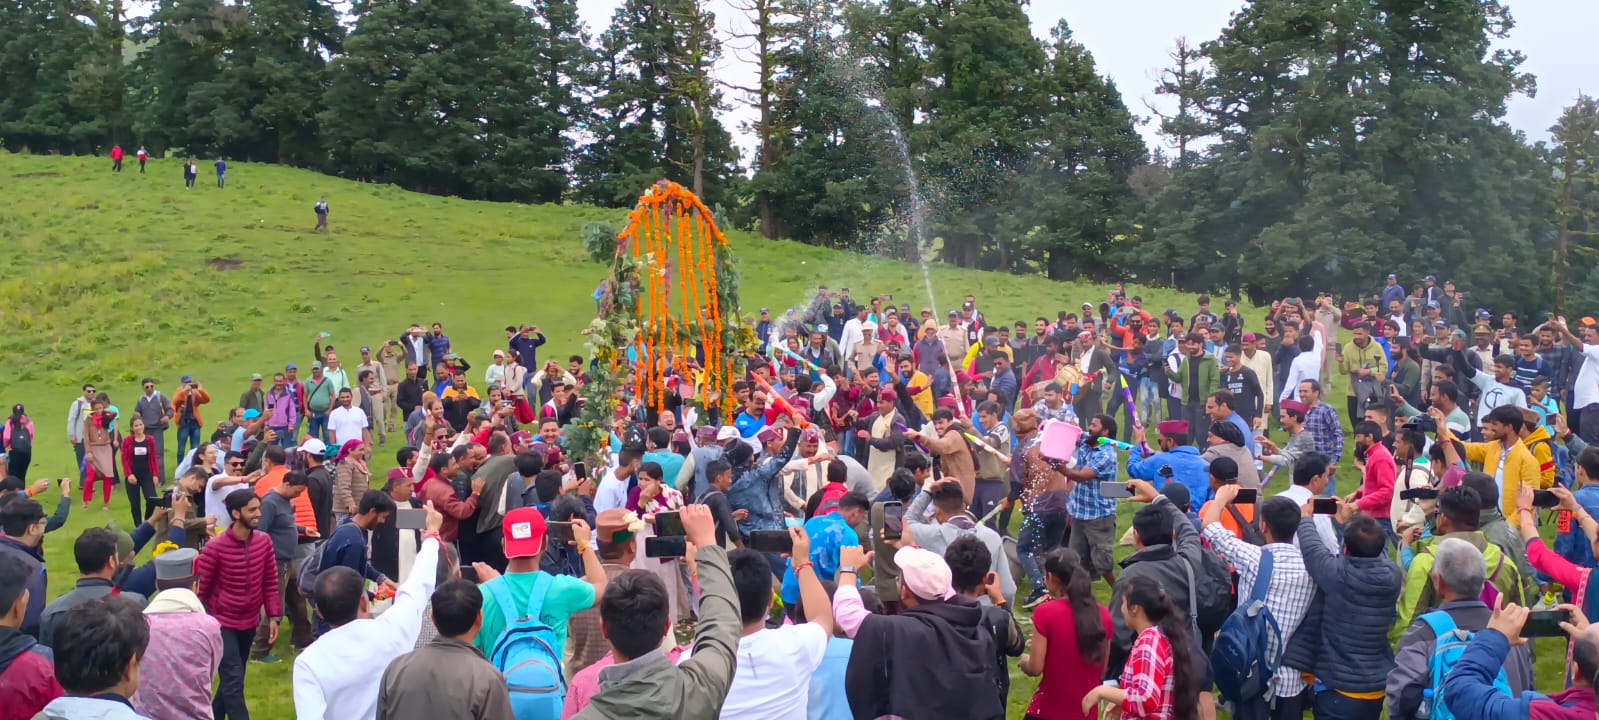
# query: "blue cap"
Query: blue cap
{"points": [[252, 414], [188, 378], [291, 366]]}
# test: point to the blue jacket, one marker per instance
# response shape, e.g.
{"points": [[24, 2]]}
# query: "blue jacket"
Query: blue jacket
{"points": [[528, 347], [1186, 468], [347, 547], [757, 489], [438, 347], [1573, 544], [38, 579], [1472, 696]]}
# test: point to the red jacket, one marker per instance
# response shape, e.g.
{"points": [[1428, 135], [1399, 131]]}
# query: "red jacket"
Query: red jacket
{"points": [[27, 676], [116, 153], [151, 458], [438, 491], [238, 578]]}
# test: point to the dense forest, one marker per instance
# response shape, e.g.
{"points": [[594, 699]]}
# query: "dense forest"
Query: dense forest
{"points": [[1314, 143]]}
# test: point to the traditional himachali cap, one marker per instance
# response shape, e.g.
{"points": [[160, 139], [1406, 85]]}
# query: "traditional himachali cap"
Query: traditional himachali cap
{"points": [[124, 540], [1294, 406], [1172, 427], [947, 401], [888, 395], [617, 525], [680, 436], [396, 474], [174, 566], [766, 435], [924, 573], [1250, 337], [810, 435], [705, 433], [521, 437], [1085, 335], [524, 532]]}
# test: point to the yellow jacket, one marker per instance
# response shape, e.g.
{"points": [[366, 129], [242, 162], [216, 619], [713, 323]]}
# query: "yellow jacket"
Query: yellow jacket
{"points": [[1521, 468]]}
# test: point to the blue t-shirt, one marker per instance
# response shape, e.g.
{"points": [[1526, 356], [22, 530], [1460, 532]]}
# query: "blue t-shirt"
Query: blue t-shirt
{"points": [[828, 533], [222, 167], [671, 463], [748, 424], [826, 702]]}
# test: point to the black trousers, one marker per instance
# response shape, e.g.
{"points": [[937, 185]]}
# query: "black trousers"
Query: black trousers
{"points": [[140, 488], [17, 462], [229, 700]]}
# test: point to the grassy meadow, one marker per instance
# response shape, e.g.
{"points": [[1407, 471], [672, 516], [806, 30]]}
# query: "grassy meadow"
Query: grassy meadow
{"points": [[107, 278]]}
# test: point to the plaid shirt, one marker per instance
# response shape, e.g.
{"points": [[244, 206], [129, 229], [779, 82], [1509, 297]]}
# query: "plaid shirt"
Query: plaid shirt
{"points": [[1063, 414], [1147, 679], [1085, 502], [1322, 424], [1287, 597]]}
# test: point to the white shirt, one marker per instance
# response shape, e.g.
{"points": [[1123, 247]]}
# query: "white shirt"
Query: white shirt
{"points": [[336, 678], [611, 493], [1587, 391], [1495, 394], [347, 423], [852, 334], [1404, 330], [772, 676], [1324, 526], [216, 497], [1306, 366]]}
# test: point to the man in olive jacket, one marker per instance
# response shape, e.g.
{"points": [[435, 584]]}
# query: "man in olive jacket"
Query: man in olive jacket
{"points": [[1198, 376], [644, 683]]}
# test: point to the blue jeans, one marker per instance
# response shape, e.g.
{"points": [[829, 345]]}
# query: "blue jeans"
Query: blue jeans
{"points": [[77, 451], [285, 437], [189, 434], [318, 426], [1330, 705], [846, 442], [1041, 533]]}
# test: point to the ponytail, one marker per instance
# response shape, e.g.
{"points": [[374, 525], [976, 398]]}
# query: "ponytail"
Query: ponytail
{"points": [[1065, 565], [1146, 594]]}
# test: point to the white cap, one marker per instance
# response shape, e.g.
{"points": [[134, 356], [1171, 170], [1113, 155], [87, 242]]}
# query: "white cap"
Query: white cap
{"points": [[726, 432], [314, 447]]}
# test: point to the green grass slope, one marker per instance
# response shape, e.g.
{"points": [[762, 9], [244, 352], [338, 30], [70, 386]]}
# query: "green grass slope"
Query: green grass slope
{"points": [[107, 278]]}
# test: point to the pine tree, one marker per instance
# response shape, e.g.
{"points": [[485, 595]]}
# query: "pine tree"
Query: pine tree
{"points": [[61, 80], [1574, 157]]}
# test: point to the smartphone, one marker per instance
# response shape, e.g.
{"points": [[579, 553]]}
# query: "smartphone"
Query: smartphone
{"points": [[771, 541], [411, 518], [560, 532], [668, 524], [665, 547], [580, 470], [1324, 506], [165, 500], [1544, 499], [1545, 623], [1247, 497], [893, 520], [1113, 489], [469, 574]]}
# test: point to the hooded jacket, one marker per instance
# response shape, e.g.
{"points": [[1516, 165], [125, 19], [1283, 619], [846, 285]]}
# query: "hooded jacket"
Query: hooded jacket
{"points": [[958, 667], [27, 674], [651, 686], [38, 579], [1470, 683]]}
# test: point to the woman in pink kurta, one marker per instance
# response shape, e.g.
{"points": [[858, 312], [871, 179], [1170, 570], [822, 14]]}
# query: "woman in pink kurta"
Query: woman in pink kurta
{"points": [[182, 658]]}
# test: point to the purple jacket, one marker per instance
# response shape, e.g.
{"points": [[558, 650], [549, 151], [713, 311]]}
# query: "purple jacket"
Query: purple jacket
{"points": [[184, 653], [284, 406]]}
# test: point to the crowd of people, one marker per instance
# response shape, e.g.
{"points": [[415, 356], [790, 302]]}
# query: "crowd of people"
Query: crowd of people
{"points": [[840, 544]]}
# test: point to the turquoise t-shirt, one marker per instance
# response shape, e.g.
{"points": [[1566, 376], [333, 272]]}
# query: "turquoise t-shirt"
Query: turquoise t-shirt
{"points": [[671, 463], [567, 595]]}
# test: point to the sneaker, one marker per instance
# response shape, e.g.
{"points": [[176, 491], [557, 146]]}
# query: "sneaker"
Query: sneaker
{"points": [[266, 660], [1034, 600]]}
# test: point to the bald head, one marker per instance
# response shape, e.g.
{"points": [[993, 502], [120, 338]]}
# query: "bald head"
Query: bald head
{"points": [[1585, 654]]}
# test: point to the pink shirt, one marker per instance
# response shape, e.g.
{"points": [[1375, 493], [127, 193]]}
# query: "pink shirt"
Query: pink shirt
{"points": [[586, 683], [182, 658]]}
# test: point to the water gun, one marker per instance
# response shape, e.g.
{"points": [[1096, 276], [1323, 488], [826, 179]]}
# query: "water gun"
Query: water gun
{"points": [[979, 443], [903, 428], [779, 402], [1132, 412], [1119, 445], [813, 366]]}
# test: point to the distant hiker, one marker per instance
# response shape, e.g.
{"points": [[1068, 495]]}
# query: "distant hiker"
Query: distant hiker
{"points": [[321, 208], [116, 158], [222, 170], [191, 172], [143, 156]]}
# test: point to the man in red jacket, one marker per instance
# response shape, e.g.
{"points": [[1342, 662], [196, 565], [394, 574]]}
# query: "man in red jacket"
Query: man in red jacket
{"points": [[116, 158], [27, 673], [238, 578]]}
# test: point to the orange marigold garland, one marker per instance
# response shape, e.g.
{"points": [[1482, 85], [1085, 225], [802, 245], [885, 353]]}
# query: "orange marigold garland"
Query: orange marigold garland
{"points": [[655, 259]]}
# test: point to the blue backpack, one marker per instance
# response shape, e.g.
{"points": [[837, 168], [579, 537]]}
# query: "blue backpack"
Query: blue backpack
{"points": [[527, 655], [1446, 651], [1243, 659]]}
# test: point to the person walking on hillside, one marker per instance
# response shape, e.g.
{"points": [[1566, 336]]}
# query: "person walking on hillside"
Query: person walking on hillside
{"points": [[116, 158], [321, 208], [191, 172], [18, 437], [143, 156], [222, 170]]}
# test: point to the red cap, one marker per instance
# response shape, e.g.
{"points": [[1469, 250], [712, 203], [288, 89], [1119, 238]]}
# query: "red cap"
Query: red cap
{"points": [[1294, 406], [524, 533], [1173, 427]]}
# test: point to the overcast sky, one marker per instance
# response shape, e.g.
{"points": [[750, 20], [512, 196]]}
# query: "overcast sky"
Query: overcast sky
{"points": [[1130, 40]]}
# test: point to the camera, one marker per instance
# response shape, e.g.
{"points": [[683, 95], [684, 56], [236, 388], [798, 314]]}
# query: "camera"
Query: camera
{"points": [[1421, 493], [1424, 423]]}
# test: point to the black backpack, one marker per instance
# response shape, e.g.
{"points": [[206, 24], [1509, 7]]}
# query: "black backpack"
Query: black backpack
{"points": [[21, 440]]}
